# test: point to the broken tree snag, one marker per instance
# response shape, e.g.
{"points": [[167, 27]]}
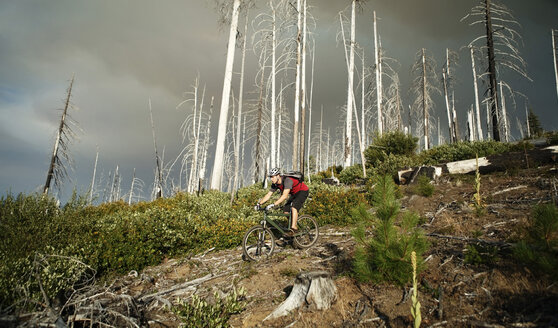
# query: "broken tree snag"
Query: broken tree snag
{"points": [[314, 289], [505, 161], [410, 176]]}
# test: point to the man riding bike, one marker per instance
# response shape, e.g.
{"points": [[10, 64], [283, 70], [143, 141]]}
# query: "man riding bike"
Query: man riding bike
{"points": [[293, 189]]}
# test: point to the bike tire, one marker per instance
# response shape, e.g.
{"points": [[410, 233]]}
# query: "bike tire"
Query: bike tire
{"points": [[308, 232], [258, 243]]}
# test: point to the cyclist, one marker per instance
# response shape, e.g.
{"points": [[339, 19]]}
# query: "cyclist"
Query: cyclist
{"points": [[293, 189]]}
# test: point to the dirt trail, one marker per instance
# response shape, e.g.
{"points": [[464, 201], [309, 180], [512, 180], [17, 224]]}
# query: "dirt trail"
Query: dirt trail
{"points": [[496, 293]]}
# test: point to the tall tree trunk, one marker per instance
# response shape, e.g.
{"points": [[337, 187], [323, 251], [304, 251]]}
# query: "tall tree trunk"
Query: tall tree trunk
{"points": [[203, 163], [470, 125], [455, 124], [527, 125], [320, 167], [242, 150], [448, 108], [93, 179], [445, 77], [424, 101], [476, 88], [505, 125], [347, 160], [296, 141], [259, 156], [239, 118], [55, 159], [303, 92], [158, 170], [378, 71], [273, 81], [554, 49], [132, 187], [310, 112], [223, 115], [493, 93], [279, 126]]}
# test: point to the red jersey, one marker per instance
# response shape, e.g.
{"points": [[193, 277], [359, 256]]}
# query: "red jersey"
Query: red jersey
{"points": [[289, 183]]}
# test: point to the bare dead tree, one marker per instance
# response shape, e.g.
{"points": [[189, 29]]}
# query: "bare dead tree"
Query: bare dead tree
{"points": [[158, 166], [60, 160], [476, 89], [501, 50], [448, 84], [136, 187], [91, 189], [554, 50], [424, 72], [224, 112]]}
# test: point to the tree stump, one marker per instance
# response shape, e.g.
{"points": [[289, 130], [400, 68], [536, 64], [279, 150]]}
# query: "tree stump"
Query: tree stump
{"points": [[314, 289]]}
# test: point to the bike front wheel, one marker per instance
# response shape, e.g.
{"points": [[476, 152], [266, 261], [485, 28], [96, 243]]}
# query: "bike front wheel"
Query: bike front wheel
{"points": [[308, 232], [258, 243]]}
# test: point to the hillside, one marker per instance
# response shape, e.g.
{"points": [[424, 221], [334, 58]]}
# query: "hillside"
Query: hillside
{"points": [[470, 279]]}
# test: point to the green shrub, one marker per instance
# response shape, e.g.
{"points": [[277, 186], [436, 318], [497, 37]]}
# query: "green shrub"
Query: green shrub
{"points": [[335, 170], [552, 138], [199, 313], [394, 143], [478, 254], [465, 150], [540, 247], [332, 205], [424, 187], [53, 272], [351, 174], [386, 256]]}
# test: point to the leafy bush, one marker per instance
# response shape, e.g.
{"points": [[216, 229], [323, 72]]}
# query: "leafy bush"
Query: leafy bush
{"points": [[386, 256], [351, 174], [552, 137], [109, 238], [540, 247], [424, 187], [335, 170], [392, 164], [478, 254], [199, 313], [54, 273], [394, 143], [466, 150], [332, 205]]}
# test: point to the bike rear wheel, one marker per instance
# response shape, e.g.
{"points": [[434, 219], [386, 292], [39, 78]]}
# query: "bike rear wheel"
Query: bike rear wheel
{"points": [[308, 232], [258, 243]]}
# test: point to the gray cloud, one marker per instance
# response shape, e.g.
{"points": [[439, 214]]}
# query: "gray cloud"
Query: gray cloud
{"points": [[125, 52]]}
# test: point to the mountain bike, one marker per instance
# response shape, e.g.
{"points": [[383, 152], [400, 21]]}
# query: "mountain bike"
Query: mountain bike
{"points": [[259, 241]]}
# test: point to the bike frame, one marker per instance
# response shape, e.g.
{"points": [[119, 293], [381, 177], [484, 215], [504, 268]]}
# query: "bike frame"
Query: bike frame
{"points": [[273, 223]]}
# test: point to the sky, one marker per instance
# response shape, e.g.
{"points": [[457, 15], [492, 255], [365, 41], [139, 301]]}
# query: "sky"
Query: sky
{"points": [[125, 53]]}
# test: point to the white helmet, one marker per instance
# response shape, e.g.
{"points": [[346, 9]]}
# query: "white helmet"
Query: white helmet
{"points": [[274, 171]]}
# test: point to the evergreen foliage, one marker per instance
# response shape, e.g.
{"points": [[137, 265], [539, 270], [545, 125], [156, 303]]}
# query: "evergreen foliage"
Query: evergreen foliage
{"points": [[535, 127], [386, 256], [394, 143], [424, 187], [540, 246], [199, 313]]}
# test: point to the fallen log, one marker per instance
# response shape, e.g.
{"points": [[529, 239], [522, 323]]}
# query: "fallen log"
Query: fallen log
{"points": [[315, 289], [472, 240], [185, 285], [503, 162], [488, 164]]}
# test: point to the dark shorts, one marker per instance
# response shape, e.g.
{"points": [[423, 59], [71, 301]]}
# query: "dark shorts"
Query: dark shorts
{"points": [[297, 200]]}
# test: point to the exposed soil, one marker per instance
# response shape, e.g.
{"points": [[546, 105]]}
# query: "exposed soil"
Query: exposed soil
{"points": [[497, 292]]}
